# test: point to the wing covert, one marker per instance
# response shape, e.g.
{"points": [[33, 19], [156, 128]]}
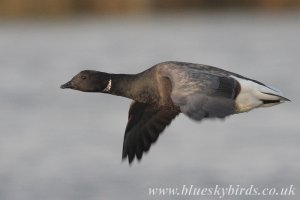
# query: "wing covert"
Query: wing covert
{"points": [[200, 93]]}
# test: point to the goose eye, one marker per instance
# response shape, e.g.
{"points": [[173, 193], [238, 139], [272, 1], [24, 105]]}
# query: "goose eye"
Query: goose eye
{"points": [[83, 77]]}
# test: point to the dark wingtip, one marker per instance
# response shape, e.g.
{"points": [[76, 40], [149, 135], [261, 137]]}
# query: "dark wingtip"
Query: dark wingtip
{"points": [[284, 99], [124, 157], [130, 160]]}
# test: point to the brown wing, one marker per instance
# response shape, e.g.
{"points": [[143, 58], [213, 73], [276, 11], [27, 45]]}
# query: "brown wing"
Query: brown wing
{"points": [[145, 123]]}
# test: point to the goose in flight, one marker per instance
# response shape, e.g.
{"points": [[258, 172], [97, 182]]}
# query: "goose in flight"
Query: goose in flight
{"points": [[167, 89]]}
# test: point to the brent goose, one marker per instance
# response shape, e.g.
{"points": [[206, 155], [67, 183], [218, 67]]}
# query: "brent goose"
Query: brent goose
{"points": [[163, 91]]}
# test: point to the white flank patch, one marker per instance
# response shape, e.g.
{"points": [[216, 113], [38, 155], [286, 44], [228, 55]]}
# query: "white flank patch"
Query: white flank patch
{"points": [[108, 87], [252, 93]]}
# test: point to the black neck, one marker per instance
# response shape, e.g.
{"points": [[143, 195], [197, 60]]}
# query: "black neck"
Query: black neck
{"points": [[137, 87], [123, 85]]}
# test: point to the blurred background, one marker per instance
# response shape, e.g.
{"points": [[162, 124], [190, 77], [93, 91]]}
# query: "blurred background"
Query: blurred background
{"points": [[63, 144]]}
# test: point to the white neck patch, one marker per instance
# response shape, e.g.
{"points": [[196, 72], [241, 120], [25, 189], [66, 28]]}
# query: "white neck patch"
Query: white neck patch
{"points": [[108, 87]]}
